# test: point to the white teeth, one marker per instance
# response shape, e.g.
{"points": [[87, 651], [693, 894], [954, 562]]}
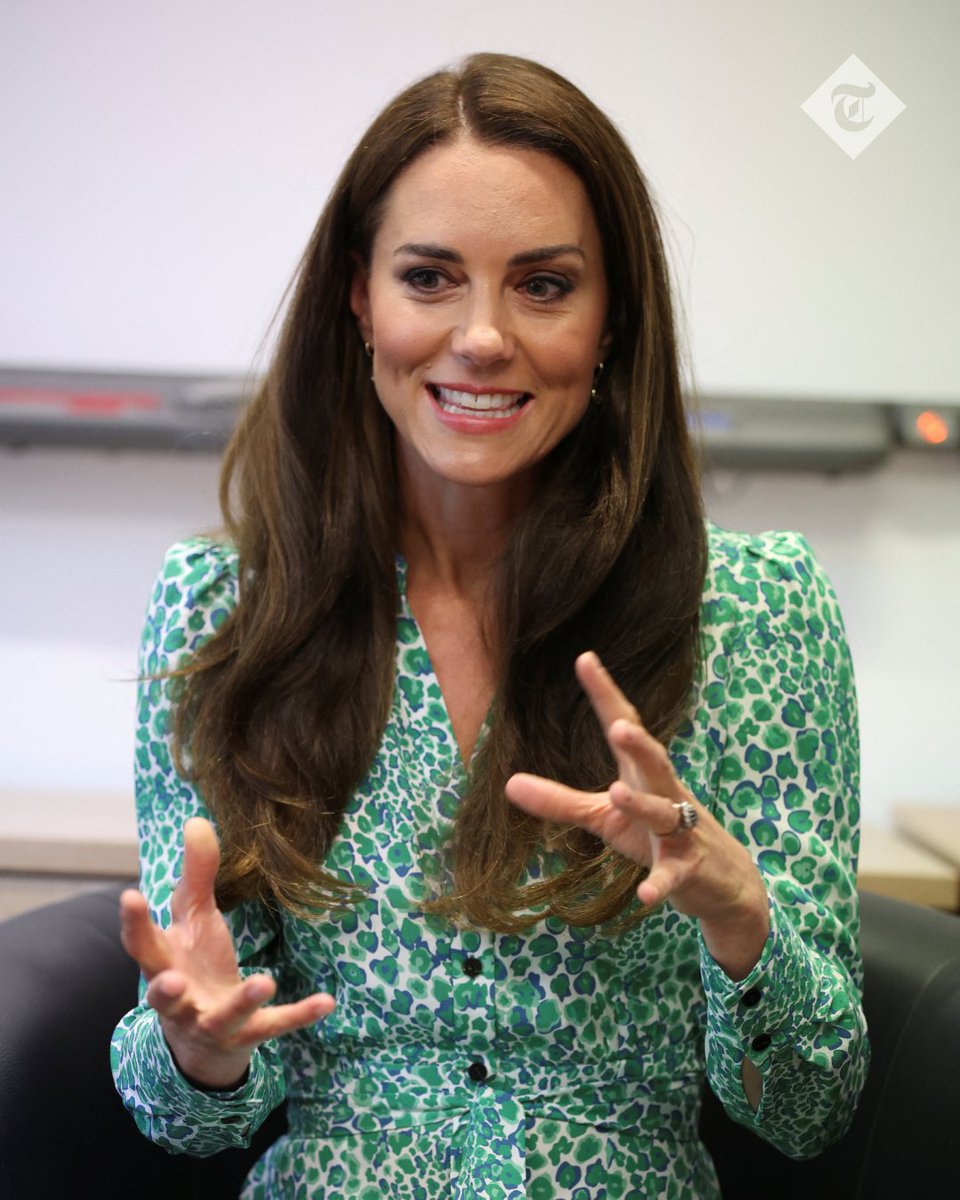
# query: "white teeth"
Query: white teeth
{"points": [[493, 404]]}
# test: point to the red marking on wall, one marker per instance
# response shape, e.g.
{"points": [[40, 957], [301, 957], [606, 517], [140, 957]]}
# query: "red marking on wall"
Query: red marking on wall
{"points": [[79, 404]]}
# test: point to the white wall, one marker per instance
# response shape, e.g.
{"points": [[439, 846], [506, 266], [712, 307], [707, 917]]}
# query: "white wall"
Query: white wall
{"points": [[165, 162], [890, 541], [163, 165], [83, 533]]}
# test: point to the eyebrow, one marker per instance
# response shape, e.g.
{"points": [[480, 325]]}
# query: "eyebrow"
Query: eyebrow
{"points": [[525, 258]]}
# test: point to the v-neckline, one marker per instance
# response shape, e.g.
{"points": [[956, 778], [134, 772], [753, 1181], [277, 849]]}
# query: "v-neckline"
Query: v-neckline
{"points": [[463, 767]]}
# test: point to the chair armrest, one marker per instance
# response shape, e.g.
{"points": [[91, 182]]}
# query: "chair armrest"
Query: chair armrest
{"points": [[908, 1112], [66, 982]]}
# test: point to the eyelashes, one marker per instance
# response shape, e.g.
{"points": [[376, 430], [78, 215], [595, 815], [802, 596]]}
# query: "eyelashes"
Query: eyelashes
{"points": [[427, 279], [542, 287], [548, 287]]}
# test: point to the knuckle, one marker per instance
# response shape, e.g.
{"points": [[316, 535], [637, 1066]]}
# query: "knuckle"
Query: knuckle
{"points": [[210, 1026]]}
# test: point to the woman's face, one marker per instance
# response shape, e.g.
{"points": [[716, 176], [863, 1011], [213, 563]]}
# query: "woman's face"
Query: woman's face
{"points": [[485, 301]]}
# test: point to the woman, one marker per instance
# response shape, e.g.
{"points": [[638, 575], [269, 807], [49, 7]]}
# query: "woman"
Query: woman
{"points": [[466, 494]]}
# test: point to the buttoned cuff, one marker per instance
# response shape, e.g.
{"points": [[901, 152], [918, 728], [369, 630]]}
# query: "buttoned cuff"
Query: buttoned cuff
{"points": [[166, 1105], [763, 1014]]}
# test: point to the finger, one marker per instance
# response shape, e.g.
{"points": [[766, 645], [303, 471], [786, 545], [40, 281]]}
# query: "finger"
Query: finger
{"points": [[245, 1020], [650, 760], [167, 994], [612, 708], [609, 703], [280, 1019], [556, 802], [590, 810], [237, 1007], [665, 877], [239, 1019], [171, 995], [201, 858], [139, 936], [657, 813]]}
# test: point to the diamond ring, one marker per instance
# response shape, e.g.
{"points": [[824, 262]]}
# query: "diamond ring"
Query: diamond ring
{"points": [[687, 817]]}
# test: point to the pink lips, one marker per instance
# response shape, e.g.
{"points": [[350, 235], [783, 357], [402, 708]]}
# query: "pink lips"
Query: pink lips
{"points": [[466, 408]]}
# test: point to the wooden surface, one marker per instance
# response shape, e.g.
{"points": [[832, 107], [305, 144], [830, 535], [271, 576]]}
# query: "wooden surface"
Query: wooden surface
{"points": [[897, 867], [56, 844], [934, 827], [86, 846], [68, 856]]}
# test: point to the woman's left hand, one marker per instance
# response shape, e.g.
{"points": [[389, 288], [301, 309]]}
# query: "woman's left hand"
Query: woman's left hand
{"points": [[704, 871]]}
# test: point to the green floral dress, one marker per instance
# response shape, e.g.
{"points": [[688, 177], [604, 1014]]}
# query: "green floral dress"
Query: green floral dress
{"points": [[470, 1065]]}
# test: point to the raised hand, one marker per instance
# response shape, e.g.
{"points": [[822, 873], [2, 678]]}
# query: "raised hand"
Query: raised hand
{"points": [[211, 1017], [704, 871]]}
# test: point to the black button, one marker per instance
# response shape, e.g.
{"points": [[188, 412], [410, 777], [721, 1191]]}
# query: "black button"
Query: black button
{"points": [[761, 1041], [472, 967], [751, 997], [477, 1072]]}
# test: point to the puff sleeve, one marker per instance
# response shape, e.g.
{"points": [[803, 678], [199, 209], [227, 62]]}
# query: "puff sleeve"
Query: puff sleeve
{"points": [[194, 593], [779, 684]]}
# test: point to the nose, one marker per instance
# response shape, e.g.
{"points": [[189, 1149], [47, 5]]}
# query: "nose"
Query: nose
{"points": [[483, 336]]}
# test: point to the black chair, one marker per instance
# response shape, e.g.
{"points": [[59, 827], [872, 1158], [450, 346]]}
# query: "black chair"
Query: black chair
{"points": [[905, 1137], [66, 981]]}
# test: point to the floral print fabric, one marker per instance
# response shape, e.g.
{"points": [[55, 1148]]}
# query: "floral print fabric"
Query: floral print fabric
{"points": [[470, 1065]]}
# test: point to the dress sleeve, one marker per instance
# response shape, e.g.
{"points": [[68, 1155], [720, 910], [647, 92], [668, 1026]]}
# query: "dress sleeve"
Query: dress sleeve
{"points": [[193, 595], [787, 785]]}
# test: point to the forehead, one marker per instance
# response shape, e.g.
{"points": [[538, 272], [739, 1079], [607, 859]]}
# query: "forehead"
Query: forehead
{"points": [[466, 190]]}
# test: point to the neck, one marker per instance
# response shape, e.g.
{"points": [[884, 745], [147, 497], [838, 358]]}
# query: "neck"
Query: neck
{"points": [[452, 535]]}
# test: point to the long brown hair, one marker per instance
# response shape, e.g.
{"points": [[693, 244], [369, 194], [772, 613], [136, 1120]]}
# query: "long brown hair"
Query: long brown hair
{"points": [[283, 709]]}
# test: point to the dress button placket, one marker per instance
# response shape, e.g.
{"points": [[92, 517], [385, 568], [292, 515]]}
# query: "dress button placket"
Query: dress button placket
{"points": [[475, 1000]]}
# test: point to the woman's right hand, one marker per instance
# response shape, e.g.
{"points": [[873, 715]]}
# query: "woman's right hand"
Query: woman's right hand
{"points": [[211, 1017]]}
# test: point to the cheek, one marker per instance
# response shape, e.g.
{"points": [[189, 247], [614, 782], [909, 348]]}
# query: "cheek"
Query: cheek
{"points": [[569, 361], [400, 354], [402, 339]]}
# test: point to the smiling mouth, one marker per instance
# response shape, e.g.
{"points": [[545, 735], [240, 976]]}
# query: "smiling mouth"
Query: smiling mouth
{"points": [[490, 405]]}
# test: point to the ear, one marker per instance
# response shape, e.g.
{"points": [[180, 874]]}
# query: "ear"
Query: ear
{"points": [[360, 298], [605, 343]]}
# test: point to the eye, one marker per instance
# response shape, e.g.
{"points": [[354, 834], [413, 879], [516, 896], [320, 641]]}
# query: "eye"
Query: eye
{"points": [[545, 288], [426, 279]]}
